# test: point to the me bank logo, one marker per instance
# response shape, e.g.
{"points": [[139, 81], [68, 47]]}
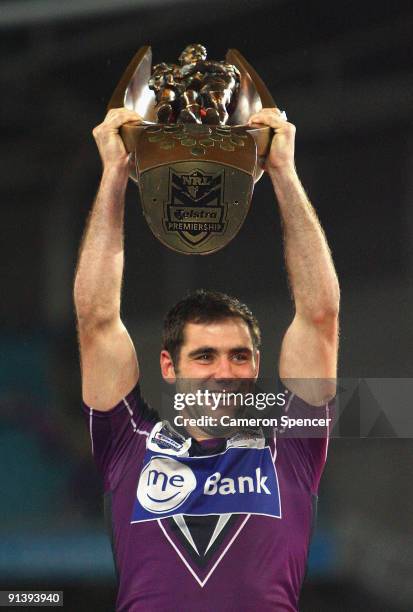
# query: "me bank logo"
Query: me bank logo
{"points": [[165, 484], [238, 480]]}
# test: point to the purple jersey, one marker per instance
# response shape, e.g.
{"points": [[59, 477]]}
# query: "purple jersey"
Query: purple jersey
{"points": [[219, 525]]}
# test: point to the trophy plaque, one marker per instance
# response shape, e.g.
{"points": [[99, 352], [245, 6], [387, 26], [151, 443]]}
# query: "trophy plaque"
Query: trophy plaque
{"points": [[194, 158]]}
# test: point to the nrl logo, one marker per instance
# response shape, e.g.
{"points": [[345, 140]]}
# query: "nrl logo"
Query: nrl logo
{"points": [[195, 209]]}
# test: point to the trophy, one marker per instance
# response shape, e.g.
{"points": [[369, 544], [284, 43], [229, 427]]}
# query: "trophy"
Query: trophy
{"points": [[194, 158]]}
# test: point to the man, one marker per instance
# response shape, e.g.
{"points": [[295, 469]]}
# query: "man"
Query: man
{"points": [[200, 523]]}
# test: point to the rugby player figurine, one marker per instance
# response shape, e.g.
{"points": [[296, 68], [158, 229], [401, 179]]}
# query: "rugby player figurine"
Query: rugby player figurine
{"points": [[195, 91], [200, 523]]}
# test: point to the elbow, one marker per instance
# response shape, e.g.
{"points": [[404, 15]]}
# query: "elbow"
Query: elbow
{"points": [[92, 314], [95, 314], [325, 315], [325, 312], [91, 322], [327, 309], [321, 305]]}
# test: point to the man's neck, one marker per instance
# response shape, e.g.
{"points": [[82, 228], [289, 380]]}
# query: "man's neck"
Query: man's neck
{"points": [[198, 434]]}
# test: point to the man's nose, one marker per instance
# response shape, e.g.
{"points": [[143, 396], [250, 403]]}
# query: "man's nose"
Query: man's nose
{"points": [[224, 370]]}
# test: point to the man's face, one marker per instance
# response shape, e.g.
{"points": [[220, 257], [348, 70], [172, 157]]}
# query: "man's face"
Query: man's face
{"points": [[219, 351], [217, 357]]}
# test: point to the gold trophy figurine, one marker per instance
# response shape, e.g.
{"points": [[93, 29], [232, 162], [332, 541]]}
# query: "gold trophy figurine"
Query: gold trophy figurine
{"points": [[194, 159]]}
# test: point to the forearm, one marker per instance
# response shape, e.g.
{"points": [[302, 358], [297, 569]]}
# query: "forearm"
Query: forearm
{"points": [[309, 263], [98, 280]]}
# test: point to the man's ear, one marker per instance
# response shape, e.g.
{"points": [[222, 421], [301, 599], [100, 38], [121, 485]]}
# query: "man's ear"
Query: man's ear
{"points": [[257, 363], [167, 367]]}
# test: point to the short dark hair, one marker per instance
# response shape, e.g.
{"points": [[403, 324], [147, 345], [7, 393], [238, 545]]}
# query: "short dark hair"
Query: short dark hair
{"points": [[202, 306]]}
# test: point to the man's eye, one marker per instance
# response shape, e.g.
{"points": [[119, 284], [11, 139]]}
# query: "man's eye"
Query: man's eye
{"points": [[240, 357], [204, 357]]}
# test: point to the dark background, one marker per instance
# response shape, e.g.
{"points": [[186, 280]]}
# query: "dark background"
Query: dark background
{"points": [[343, 73]]}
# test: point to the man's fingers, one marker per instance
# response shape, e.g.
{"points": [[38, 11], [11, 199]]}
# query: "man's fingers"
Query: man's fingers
{"points": [[119, 116], [115, 118], [273, 122], [271, 111], [273, 117], [115, 112]]}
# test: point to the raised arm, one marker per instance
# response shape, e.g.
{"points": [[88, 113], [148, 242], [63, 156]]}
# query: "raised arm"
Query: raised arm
{"points": [[108, 359], [310, 345]]}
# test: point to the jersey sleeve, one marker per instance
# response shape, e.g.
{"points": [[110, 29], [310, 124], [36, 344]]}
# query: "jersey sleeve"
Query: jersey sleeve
{"points": [[115, 432], [307, 439]]}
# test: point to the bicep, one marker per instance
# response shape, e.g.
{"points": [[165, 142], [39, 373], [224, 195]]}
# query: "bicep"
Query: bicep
{"points": [[109, 365], [308, 359]]}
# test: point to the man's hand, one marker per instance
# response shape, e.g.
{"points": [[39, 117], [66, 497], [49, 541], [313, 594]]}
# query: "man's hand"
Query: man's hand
{"points": [[111, 148], [281, 155]]}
